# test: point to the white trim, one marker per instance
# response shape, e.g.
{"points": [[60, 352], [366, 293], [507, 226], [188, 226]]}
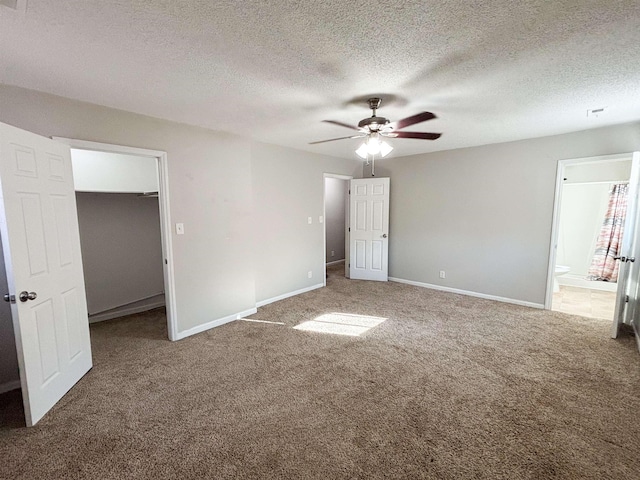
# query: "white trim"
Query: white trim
{"points": [[101, 317], [262, 303], [570, 280], [636, 334], [165, 216], [8, 386], [555, 227], [324, 220], [468, 293], [214, 323], [334, 263]]}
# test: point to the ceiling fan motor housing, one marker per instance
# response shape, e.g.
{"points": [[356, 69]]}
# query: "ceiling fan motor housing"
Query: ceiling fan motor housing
{"points": [[373, 123]]}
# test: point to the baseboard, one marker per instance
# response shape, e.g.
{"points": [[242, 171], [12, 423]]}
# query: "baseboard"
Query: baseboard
{"points": [[468, 293], [637, 334], [334, 263], [215, 323], [101, 317], [581, 282], [8, 386], [287, 295]]}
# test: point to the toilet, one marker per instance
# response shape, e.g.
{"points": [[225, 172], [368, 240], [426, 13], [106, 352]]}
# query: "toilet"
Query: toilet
{"points": [[559, 270]]}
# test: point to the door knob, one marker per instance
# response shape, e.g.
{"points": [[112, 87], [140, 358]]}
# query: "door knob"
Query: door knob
{"points": [[384, 235], [24, 296]]}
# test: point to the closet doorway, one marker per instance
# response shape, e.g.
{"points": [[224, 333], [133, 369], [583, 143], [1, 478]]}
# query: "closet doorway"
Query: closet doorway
{"points": [[123, 216]]}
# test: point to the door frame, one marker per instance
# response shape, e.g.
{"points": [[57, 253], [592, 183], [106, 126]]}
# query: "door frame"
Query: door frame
{"points": [[347, 178], [165, 215], [555, 222]]}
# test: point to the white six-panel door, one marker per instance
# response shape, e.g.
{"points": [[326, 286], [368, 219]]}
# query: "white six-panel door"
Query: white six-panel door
{"points": [[628, 296], [41, 243], [369, 229]]}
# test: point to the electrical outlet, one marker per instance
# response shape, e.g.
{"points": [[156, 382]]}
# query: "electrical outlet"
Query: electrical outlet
{"points": [[309, 274], [333, 252], [320, 219], [309, 220], [179, 228], [442, 274]]}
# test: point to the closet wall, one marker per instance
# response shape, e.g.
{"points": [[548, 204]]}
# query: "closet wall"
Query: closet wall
{"points": [[121, 250], [120, 233]]}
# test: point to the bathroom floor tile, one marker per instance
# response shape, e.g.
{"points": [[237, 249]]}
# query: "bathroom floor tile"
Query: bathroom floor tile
{"points": [[584, 302]]}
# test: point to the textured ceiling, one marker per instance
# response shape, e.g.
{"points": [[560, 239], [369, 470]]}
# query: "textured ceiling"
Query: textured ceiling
{"points": [[493, 71]]}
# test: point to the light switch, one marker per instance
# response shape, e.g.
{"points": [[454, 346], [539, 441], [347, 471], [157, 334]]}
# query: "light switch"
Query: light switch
{"points": [[309, 220], [179, 228], [320, 219]]}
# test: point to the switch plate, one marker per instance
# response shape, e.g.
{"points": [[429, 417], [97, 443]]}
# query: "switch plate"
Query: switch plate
{"points": [[309, 220], [320, 219], [179, 228], [309, 274], [333, 252]]}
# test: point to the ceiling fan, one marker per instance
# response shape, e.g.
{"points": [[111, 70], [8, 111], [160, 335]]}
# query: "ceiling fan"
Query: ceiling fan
{"points": [[375, 127]]}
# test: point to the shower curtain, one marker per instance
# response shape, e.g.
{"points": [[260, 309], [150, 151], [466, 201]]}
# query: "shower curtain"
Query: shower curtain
{"points": [[603, 266]]}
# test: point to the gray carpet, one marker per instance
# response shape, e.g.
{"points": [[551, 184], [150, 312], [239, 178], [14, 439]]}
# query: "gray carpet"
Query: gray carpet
{"points": [[447, 387]]}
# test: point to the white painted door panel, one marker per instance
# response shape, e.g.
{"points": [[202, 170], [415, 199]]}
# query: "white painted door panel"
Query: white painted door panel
{"points": [[627, 298], [39, 227], [369, 228]]}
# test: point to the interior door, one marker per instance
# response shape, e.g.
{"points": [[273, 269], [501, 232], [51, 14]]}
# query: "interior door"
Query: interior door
{"points": [[369, 229], [627, 298], [39, 228]]}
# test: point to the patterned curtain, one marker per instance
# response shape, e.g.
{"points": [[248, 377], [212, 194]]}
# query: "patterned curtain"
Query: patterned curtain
{"points": [[603, 266]]}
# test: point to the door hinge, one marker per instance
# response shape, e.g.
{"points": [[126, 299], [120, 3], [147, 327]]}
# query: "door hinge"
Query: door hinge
{"points": [[626, 298], [349, 228], [349, 265], [349, 192], [165, 262]]}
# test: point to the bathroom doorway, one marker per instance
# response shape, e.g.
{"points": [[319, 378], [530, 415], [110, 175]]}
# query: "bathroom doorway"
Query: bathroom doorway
{"points": [[589, 219]]}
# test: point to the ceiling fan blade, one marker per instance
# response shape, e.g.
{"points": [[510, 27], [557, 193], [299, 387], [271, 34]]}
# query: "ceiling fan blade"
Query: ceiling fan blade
{"points": [[412, 120], [341, 124], [334, 139], [419, 135]]}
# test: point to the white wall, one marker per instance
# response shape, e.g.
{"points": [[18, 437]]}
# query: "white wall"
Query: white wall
{"points": [[113, 172], [231, 254], [288, 187], [121, 249], [484, 214], [603, 171], [335, 191], [581, 214], [9, 374], [209, 190]]}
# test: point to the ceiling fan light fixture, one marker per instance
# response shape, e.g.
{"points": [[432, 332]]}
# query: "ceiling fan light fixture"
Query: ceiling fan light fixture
{"points": [[362, 151], [373, 146], [385, 149]]}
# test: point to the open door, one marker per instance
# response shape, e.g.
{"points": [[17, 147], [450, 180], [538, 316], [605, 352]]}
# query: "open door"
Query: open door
{"points": [[39, 228], [369, 229], [627, 299]]}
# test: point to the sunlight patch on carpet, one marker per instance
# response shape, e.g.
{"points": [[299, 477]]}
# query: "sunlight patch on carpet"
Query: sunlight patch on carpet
{"points": [[341, 324]]}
